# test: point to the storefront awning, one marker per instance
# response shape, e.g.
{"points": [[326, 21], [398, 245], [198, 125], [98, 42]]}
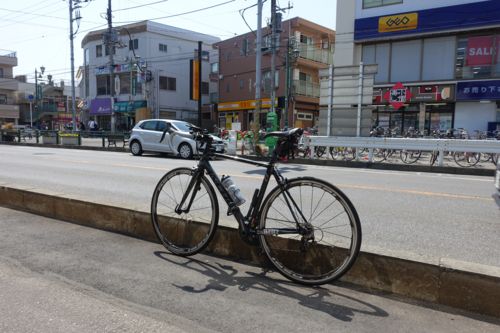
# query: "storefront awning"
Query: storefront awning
{"points": [[129, 106]]}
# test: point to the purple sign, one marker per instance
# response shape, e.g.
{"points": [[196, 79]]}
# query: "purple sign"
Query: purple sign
{"points": [[100, 107], [478, 90]]}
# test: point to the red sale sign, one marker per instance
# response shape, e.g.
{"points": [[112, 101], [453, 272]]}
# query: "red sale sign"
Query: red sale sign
{"points": [[480, 51]]}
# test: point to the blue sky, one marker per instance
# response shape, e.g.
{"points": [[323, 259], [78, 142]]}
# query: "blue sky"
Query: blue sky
{"points": [[38, 30]]}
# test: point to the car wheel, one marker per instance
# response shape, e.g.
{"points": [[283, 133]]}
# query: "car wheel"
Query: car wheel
{"points": [[136, 148], [185, 151]]}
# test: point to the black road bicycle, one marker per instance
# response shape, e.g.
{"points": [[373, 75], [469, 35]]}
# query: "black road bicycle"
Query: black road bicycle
{"points": [[307, 227]]}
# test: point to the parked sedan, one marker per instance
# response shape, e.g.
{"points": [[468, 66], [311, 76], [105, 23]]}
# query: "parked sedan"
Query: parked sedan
{"points": [[146, 136]]}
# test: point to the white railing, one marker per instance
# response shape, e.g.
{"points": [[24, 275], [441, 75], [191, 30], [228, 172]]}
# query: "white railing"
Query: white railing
{"points": [[440, 145]]}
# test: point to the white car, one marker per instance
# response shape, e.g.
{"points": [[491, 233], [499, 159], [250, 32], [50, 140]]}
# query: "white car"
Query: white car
{"points": [[146, 136]]}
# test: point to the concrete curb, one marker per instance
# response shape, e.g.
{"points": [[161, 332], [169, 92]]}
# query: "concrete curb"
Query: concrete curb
{"points": [[466, 286], [345, 164]]}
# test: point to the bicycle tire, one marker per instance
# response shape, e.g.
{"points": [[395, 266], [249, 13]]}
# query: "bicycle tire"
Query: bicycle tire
{"points": [[466, 159], [311, 261], [410, 156], [319, 150], [184, 234]]}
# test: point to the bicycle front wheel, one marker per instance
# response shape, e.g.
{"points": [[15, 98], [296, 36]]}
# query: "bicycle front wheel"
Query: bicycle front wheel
{"points": [[188, 231], [328, 240]]}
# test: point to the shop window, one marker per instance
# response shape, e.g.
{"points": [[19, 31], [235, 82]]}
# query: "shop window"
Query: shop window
{"points": [[168, 83], [477, 57], [379, 3]]}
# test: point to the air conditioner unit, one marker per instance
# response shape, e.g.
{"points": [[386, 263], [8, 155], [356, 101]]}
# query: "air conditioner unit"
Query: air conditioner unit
{"points": [[221, 76]]}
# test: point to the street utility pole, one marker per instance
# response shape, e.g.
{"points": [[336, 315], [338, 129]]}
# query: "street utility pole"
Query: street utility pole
{"points": [[200, 45], [274, 22], [258, 73], [74, 5], [110, 42]]}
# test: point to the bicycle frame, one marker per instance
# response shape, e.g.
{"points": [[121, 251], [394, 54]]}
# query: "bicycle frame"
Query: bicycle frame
{"points": [[248, 223]]}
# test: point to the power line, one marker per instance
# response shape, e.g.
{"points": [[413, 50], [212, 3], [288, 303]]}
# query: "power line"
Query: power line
{"points": [[184, 13], [139, 6]]}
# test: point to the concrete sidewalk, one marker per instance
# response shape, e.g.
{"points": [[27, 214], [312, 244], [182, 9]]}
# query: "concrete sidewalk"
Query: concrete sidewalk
{"points": [[467, 286], [70, 278]]}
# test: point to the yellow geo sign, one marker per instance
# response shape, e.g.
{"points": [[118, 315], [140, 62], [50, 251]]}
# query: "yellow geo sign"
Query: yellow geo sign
{"points": [[408, 21]]}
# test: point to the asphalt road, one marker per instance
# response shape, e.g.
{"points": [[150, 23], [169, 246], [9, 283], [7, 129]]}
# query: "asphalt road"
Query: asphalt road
{"points": [[61, 277], [402, 213]]}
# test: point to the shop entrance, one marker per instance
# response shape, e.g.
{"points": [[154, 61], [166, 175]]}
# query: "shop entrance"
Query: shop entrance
{"points": [[439, 117], [399, 121]]}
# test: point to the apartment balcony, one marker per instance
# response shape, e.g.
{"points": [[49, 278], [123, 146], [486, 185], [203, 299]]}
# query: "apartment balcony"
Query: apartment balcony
{"points": [[8, 84], [309, 54], [305, 88], [9, 111], [8, 58]]}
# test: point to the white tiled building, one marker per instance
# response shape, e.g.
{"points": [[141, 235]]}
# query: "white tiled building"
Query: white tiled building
{"points": [[445, 53], [160, 87]]}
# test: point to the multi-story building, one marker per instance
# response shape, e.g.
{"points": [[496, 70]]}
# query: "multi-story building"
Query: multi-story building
{"points": [[9, 112], [444, 54], [304, 48], [152, 69]]}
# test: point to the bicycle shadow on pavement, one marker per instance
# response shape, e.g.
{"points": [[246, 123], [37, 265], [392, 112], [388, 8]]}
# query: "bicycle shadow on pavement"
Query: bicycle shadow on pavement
{"points": [[222, 277]]}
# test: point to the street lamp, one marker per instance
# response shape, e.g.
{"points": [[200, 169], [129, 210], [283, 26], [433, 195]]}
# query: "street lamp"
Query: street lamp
{"points": [[37, 76]]}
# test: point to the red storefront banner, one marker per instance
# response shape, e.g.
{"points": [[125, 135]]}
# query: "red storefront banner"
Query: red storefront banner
{"points": [[480, 51]]}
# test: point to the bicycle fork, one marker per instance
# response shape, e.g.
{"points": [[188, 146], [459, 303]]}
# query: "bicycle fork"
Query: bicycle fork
{"points": [[193, 188]]}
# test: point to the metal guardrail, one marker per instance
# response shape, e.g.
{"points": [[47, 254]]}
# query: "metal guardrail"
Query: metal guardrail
{"points": [[422, 144]]}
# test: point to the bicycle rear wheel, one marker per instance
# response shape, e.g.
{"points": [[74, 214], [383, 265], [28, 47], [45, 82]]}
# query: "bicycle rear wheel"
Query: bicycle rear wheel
{"points": [[184, 233], [332, 238]]}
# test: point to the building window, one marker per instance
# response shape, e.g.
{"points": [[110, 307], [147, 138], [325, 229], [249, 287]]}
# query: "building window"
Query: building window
{"points": [[107, 50], [304, 116], [244, 47], [242, 84], [477, 57], [162, 47], [103, 86], [214, 67], [379, 3], [3, 99], [306, 39], [204, 88], [214, 98], [305, 77], [168, 83], [133, 44], [228, 87], [98, 51], [1, 72], [228, 56]]}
